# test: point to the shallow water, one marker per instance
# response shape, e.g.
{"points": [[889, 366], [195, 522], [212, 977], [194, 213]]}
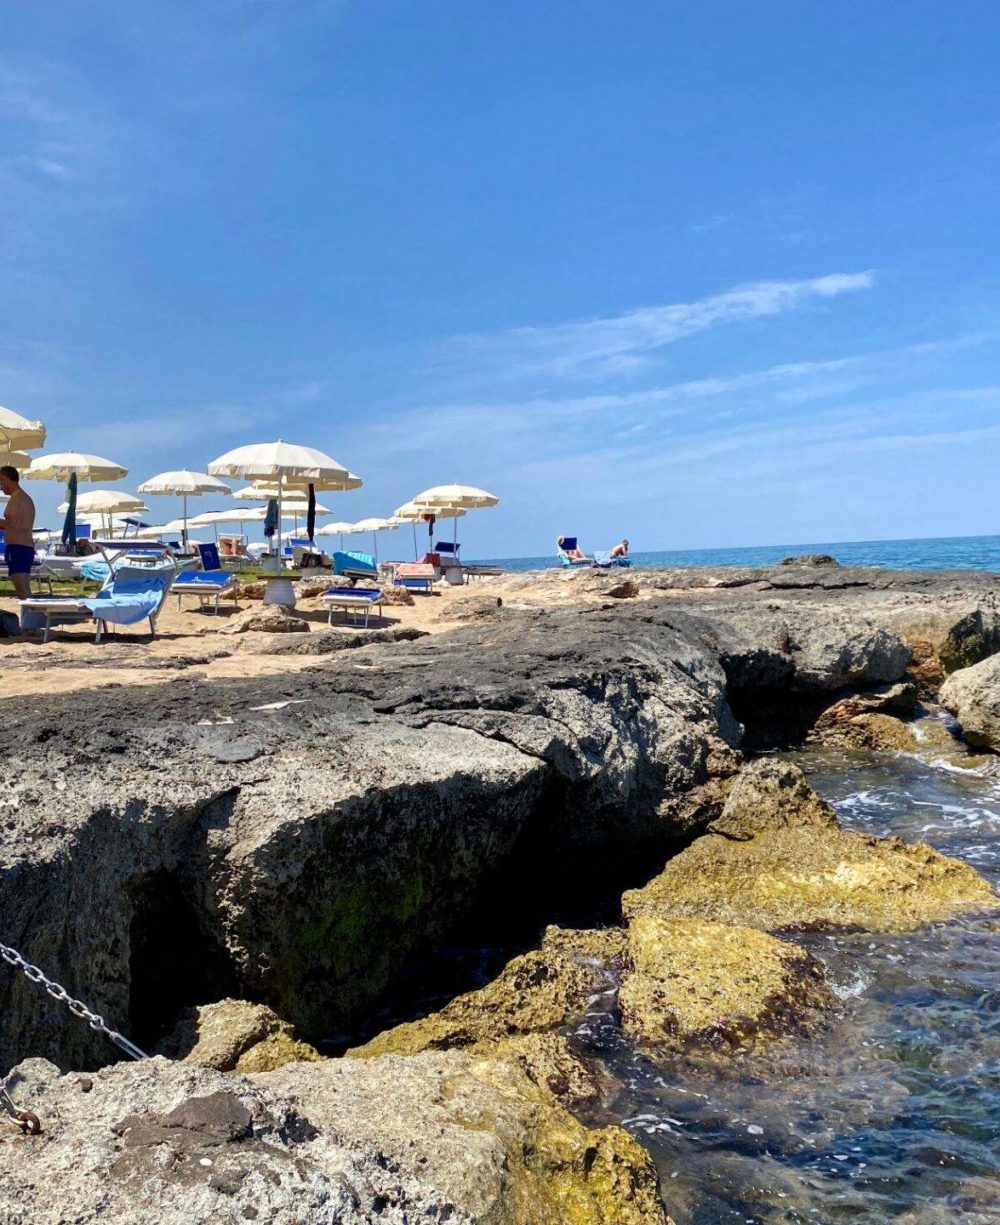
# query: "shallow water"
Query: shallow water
{"points": [[891, 1115]]}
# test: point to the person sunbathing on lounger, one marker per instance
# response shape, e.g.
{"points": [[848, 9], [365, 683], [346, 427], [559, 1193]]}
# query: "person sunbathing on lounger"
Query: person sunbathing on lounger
{"points": [[620, 550]]}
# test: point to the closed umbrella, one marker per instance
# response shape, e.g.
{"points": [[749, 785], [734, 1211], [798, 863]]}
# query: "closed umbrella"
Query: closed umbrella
{"points": [[187, 484], [311, 515], [271, 518], [69, 523]]}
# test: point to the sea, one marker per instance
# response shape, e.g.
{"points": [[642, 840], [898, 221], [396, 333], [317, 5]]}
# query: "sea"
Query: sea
{"points": [[932, 553]]}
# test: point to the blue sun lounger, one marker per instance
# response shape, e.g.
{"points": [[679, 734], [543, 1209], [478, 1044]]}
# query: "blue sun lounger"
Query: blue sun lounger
{"points": [[124, 600], [566, 546], [354, 601], [210, 583]]}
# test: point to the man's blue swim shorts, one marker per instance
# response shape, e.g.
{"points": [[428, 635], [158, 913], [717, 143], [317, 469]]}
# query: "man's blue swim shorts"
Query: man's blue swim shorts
{"points": [[19, 558]]}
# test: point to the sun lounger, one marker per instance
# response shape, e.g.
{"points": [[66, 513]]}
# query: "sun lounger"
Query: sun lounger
{"points": [[354, 565], [354, 601], [566, 547], [415, 575], [604, 560], [132, 594], [210, 584]]}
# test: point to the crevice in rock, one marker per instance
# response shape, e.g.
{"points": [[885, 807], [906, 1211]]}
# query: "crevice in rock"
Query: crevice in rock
{"points": [[172, 965]]}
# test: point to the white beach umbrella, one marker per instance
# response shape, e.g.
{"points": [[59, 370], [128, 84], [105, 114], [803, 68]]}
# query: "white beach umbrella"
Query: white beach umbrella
{"points": [[279, 463], [375, 525], [340, 529], [18, 432], [14, 459], [186, 484], [443, 498], [98, 506], [61, 465], [411, 513]]}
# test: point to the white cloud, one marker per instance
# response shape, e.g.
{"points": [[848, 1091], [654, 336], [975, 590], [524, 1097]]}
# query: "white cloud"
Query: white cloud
{"points": [[621, 343]]}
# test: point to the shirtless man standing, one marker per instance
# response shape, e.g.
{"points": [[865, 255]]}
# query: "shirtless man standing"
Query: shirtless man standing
{"points": [[17, 524]]}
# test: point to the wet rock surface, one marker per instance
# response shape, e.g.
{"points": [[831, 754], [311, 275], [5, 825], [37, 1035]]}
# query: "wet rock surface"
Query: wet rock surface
{"points": [[698, 984], [778, 859]]}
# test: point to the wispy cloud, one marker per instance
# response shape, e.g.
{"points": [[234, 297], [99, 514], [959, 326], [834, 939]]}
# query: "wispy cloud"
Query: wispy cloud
{"points": [[622, 343]]}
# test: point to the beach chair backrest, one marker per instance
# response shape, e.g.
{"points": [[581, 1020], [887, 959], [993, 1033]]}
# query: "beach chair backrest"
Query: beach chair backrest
{"points": [[209, 557], [447, 547], [566, 543], [84, 531]]}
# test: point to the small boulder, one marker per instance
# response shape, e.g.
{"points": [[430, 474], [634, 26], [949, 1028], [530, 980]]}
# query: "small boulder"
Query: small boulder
{"points": [[777, 858], [267, 619], [810, 559], [881, 733], [972, 695], [236, 1036], [693, 983], [251, 591], [626, 590]]}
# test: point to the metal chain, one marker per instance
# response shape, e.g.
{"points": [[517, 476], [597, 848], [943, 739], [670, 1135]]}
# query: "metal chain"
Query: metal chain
{"points": [[76, 1007]]}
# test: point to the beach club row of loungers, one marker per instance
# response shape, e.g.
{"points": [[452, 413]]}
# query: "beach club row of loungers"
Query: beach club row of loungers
{"points": [[137, 580]]}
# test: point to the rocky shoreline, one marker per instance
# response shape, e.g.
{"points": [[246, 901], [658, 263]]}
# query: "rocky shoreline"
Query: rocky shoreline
{"points": [[294, 840]]}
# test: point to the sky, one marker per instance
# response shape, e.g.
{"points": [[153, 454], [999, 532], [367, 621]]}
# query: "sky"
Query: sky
{"points": [[702, 275]]}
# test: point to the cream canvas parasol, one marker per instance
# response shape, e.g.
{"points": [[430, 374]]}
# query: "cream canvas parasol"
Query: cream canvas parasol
{"points": [[17, 432], [185, 483], [61, 465], [442, 498]]}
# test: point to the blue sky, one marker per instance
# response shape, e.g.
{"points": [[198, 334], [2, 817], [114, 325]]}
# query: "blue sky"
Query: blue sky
{"points": [[714, 274]]}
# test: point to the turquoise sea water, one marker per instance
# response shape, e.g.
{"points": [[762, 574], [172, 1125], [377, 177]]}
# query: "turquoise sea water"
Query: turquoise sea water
{"points": [[938, 553], [892, 1115]]}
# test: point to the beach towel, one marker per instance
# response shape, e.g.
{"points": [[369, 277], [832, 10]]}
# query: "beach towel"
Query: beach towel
{"points": [[128, 601]]}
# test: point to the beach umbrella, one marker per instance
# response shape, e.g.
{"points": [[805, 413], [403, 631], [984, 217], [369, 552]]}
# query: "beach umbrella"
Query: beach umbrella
{"points": [[279, 463], [410, 512], [336, 529], [98, 504], [69, 523], [15, 459], [442, 498], [18, 433], [186, 484], [375, 526], [60, 465], [311, 514], [271, 517]]}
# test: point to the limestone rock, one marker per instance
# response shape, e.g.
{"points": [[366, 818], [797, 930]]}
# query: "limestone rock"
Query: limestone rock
{"points": [[882, 733], [973, 697], [234, 1035], [267, 619], [810, 559], [690, 983], [777, 858], [251, 590], [342, 1142], [897, 699], [536, 992], [628, 589]]}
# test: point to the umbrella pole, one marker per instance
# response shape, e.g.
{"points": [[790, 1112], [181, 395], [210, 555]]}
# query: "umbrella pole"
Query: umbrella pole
{"points": [[375, 546], [414, 526], [184, 534]]}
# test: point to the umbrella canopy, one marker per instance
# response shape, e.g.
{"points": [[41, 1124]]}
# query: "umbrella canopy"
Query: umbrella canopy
{"points": [[455, 496], [279, 462], [14, 459], [443, 498], [410, 512], [187, 484], [264, 489], [61, 465], [106, 502], [184, 482], [18, 432]]}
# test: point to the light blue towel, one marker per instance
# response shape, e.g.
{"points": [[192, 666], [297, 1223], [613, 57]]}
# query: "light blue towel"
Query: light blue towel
{"points": [[127, 601]]}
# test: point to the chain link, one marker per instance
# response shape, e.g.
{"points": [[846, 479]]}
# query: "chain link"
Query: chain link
{"points": [[77, 1007]]}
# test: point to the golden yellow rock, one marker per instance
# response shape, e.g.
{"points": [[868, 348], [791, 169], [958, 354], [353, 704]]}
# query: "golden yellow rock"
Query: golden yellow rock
{"points": [[691, 983], [234, 1035], [537, 991], [778, 858]]}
